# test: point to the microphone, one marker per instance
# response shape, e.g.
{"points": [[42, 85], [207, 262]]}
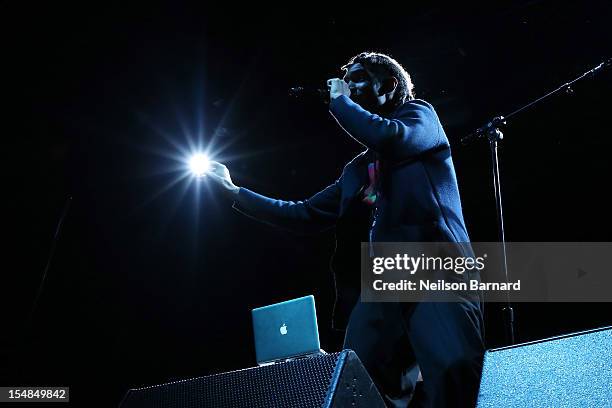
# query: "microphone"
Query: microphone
{"points": [[300, 92]]}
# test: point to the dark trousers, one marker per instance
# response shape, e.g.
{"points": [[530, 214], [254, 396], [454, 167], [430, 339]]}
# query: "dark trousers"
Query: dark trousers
{"points": [[444, 340]]}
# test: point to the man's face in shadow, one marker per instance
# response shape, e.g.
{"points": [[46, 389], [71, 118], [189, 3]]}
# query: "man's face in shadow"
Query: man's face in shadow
{"points": [[365, 88]]}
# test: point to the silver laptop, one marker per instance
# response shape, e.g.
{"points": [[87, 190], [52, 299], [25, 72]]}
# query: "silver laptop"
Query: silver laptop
{"points": [[285, 330]]}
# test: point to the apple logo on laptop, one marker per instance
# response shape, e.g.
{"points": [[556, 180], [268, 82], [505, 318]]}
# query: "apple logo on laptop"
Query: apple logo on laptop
{"points": [[283, 329]]}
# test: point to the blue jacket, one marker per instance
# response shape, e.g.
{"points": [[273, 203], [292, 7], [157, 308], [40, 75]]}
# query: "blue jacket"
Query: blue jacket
{"points": [[418, 197]]}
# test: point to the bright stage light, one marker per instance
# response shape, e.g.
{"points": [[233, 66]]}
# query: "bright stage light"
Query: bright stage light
{"points": [[199, 164]]}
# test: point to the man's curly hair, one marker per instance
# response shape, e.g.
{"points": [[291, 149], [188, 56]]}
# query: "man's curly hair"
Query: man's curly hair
{"points": [[385, 66]]}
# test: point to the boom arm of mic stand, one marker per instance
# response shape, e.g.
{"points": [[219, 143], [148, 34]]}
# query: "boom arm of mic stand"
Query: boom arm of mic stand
{"points": [[499, 121]]}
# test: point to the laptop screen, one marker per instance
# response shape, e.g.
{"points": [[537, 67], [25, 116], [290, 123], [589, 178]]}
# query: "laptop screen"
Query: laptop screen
{"points": [[286, 329]]}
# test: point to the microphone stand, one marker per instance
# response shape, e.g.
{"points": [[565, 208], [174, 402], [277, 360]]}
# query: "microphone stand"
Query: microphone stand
{"points": [[54, 242], [492, 132]]}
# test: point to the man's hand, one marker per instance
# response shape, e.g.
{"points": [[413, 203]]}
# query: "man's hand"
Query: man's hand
{"points": [[337, 87], [221, 175]]}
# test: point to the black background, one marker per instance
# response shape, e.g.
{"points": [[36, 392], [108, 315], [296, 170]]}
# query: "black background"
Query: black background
{"points": [[154, 281]]}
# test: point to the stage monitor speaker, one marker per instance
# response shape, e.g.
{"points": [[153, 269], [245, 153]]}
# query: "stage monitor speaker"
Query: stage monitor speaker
{"points": [[327, 380], [574, 370]]}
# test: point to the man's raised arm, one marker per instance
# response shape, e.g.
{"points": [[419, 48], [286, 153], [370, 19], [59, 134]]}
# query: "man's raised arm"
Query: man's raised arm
{"points": [[413, 129]]}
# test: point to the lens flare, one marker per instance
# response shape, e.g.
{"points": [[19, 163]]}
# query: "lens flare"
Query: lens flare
{"points": [[199, 164]]}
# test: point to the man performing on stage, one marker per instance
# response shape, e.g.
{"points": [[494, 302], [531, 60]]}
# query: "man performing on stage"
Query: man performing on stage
{"points": [[403, 188]]}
